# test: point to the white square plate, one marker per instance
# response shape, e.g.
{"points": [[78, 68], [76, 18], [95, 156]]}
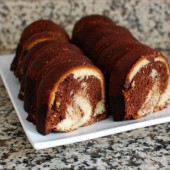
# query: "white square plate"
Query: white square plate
{"points": [[99, 129]]}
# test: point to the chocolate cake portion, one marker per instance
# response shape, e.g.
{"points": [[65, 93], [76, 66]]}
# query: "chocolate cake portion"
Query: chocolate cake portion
{"points": [[137, 76], [84, 26], [33, 28], [61, 88], [32, 41], [73, 97]]}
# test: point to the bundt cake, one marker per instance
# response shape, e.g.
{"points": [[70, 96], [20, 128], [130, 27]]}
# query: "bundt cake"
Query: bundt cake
{"points": [[61, 88], [137, 76]]}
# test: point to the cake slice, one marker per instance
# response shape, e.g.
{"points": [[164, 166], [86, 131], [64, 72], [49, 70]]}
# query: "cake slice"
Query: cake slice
{"points": [[137, 76], [69, 96], [61, 88]]}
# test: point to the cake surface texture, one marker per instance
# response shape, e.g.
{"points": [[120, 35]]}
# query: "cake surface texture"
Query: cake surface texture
{"points": [[35, 27]]}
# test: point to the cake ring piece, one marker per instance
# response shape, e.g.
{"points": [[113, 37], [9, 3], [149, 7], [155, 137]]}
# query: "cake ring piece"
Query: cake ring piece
{"points": [[137, 77], [144, 86], [70, 95], [61, 88]]}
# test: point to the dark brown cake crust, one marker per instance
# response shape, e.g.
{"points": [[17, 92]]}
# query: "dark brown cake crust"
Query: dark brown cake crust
{"points": [[35, 27], [32, 41], [36, 51], [83, 25]]}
